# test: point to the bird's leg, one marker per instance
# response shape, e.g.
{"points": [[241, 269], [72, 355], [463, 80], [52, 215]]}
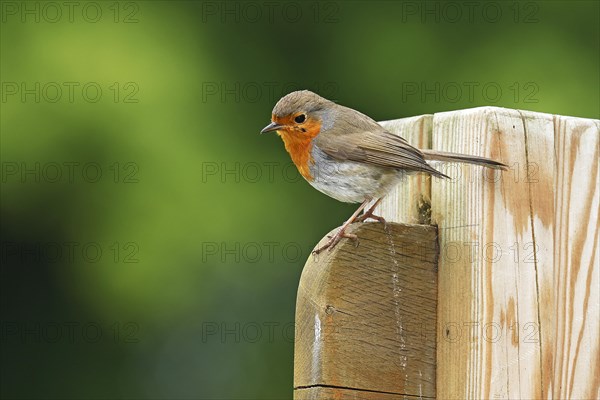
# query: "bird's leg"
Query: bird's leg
{"points": [[333, 240], [369, 214]]}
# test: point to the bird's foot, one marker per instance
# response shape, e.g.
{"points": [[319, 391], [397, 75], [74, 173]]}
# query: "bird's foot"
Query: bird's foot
{"points": [[369, 214], [334, 240], [341, 233]]}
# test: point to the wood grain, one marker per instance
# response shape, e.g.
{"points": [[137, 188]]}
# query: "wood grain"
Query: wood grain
{"points": [[410, 201], [488, 288], [574, 339], [365, 316], [518, 281]]}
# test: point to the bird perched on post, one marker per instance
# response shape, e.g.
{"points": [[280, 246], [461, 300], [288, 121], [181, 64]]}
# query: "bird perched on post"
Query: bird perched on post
{"points": [[349, 156]]}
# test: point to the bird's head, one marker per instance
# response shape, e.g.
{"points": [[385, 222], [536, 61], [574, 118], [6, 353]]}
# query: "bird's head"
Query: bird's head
{"points": [[298, 114], [298, 118]]}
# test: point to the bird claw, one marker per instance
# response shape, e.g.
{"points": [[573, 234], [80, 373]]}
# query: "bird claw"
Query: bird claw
{"points": [[335, 239], [367, 215]]}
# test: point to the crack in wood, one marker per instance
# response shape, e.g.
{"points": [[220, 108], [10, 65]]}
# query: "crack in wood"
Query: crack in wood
{"points": [[535, 255], [460, 226], [360, 390]]}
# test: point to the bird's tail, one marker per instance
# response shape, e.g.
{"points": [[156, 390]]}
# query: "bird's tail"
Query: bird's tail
{"points": [[435, 155]]}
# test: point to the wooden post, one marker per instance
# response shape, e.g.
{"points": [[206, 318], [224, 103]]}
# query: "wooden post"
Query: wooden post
{"points": [[517, 272], [365, 319]]}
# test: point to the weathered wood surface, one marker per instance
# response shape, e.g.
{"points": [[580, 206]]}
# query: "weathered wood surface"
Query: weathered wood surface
{"points": [[571, 344], [365, 317], [518, 282], [490, 344], [518, 268], [409, 202]]}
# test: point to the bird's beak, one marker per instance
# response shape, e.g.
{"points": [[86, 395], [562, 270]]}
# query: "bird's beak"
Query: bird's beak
{"points": [[273, 126]]}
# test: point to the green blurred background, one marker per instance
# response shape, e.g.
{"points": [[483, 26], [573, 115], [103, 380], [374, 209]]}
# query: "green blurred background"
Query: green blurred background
{"points": [[173, 273]]}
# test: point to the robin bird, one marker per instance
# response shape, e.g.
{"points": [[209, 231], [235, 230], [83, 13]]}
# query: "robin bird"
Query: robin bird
{"points": [[349, 156]]}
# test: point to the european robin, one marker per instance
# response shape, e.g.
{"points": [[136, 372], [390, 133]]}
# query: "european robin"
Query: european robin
{"points": [[349, 156]]}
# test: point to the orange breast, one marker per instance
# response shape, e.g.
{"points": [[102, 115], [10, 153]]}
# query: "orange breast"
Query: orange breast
{"points": [[299, 145], [300, 152]]}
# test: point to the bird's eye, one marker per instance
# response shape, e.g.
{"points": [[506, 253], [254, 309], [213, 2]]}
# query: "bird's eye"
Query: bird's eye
{"points": [[300, 118]]}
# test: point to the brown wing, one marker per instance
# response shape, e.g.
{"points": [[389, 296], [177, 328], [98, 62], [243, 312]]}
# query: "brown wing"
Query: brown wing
{"points": [[379, 148]]}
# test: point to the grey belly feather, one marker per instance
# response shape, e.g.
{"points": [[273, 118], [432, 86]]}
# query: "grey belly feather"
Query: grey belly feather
{"points": [[350, 181]]}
